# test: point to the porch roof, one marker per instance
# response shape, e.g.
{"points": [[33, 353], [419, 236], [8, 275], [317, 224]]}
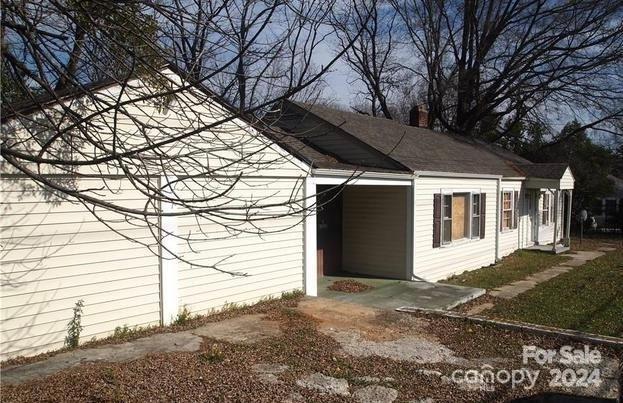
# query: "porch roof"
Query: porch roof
{"points": [[548, 175]]}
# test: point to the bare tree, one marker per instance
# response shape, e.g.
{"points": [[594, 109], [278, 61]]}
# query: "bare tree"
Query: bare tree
{"points": [[108, 109], [373, 56], [488, 63]]}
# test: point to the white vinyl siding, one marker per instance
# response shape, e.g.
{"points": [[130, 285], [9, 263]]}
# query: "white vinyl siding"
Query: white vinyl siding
{"points": [[272, 261], [374, 230], [567, 181], [434, 264], [229, 149], [56, 252]]}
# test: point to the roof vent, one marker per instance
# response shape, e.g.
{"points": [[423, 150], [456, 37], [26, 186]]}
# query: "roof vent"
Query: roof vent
{"points": [[418, 116]]}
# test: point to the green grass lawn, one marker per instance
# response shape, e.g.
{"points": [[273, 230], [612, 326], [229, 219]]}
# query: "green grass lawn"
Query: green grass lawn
{"points": [[512, 268], [594, 241], [588, 298]]}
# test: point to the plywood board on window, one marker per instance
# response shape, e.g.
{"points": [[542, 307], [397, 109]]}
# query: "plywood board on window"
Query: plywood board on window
{"points": [[458, 216]]}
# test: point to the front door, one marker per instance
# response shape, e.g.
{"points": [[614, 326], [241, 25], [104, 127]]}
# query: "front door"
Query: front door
{"points": [[329, 230], [531, 217], [535, 216]]}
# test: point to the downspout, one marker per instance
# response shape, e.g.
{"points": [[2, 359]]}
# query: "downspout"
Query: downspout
{"points": [[498, 207]]}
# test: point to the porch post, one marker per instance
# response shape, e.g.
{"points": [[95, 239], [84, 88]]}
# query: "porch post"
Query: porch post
{"points": [[310, 268], [556, 202], [569, 205], [410, 248]]}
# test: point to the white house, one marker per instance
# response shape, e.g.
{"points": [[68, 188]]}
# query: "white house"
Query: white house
{"points": [[415, 205]]}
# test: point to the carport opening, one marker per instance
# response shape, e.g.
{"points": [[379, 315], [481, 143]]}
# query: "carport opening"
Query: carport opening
{"points": [[362, 231]]}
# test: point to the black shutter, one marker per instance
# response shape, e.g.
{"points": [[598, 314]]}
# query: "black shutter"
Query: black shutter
{"points": [[483, 212], [436, 220], [516, 199]]}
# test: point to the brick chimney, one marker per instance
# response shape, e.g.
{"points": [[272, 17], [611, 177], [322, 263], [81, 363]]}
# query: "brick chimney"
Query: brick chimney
{"points": [[418, 116]]}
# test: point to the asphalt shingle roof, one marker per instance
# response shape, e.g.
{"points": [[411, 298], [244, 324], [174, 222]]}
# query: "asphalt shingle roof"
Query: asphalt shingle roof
{"points": [[417, 149], [544, 170]]}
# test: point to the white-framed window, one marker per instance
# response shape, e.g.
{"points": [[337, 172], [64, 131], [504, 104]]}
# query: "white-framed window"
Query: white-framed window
{"points": [[446, 227], [507, 210], [476, 215], [460, 216], [546, 217]]}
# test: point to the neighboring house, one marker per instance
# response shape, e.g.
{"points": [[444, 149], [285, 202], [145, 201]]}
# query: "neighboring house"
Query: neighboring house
{"points": [[416, 205], [608, 210]]}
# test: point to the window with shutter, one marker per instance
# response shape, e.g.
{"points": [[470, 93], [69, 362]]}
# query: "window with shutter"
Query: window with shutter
{"points": [[507, 210], [457, 216]]}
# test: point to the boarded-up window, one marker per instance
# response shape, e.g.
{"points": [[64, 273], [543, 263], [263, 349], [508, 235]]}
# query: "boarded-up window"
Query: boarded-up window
{"points": [[460, 216], [457, 216]]}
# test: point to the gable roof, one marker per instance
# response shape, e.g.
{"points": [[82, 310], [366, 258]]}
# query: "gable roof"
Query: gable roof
{"points": [[411, 148], [544, 170], [40, 102]]}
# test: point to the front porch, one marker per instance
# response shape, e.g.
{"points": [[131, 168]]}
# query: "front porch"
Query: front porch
{"points": [[393, 294], [550, 213]]}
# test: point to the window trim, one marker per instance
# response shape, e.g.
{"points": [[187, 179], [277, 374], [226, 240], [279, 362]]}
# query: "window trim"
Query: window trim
{"points": [[444, 218], [512, 209], [469, 237], [473, 215], [543, 210]]}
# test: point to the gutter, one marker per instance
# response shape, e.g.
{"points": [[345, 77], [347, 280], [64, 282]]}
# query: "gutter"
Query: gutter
{"points": [[456, 175], [355, 174]]}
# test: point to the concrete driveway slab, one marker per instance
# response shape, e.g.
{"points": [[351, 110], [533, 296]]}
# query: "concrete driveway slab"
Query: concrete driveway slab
{"points": [[392, 294]]}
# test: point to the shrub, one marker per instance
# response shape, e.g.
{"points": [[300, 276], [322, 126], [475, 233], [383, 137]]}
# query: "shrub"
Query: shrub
{"points": [[74, 326], [183, 317], [212, 355]]}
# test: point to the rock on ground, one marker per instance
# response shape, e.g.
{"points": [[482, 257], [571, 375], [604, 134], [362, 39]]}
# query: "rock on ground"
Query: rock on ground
{"points": [[268, 368], [374, 379], [325, 384], [294, 398], [375, 394], [408, 348], [268, 372]]}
